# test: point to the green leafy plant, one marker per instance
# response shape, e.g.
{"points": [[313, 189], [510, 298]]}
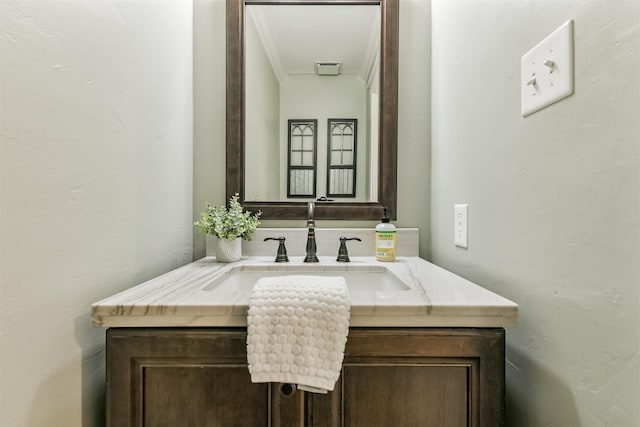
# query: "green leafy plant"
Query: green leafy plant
{"points": [[228, 223]]}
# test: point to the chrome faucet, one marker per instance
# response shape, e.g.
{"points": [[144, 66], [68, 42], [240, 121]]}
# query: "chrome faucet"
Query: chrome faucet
{"points": [[311, 234]]}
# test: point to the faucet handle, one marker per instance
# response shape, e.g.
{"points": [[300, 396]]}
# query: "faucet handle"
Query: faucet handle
{"points": [[282, 250], [343, 255]]}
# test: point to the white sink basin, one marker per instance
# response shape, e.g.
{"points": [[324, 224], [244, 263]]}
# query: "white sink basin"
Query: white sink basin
{"points": [[362, 278]]}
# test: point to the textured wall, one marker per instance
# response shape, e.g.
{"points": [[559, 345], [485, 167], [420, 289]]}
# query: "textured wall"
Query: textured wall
{"points": [[553, 199], [209, 73], [96, 186]]}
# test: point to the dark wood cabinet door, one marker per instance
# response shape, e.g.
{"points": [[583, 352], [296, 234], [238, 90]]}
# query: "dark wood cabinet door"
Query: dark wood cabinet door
{"points": [[189, 377], [440, 377], [410, 396], [201, 395]]}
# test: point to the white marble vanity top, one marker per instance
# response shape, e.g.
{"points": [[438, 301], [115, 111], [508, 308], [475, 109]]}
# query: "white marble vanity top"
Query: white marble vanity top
{"points": [[190, 296]]}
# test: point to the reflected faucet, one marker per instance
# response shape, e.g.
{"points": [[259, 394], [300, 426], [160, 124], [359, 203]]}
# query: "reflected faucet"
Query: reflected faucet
{"points": [[311, 234]]}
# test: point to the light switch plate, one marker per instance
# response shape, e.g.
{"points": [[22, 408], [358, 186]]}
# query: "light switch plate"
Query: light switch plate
{"points": [[460, 219], [547, 71]]}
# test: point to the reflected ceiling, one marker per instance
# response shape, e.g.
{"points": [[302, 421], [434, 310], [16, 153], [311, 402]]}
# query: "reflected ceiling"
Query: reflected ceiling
{"points": [[295, 37]]}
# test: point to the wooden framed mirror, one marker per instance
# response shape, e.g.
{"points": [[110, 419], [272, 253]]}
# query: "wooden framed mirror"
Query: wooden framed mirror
{"points": [[384, 188]]}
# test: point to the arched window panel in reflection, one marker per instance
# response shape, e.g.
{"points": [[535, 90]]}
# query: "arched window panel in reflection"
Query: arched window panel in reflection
{"points": [[342, 157], [302, 158]]}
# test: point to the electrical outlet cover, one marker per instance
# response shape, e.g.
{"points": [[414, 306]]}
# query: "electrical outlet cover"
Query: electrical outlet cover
{"points": [[547, 71], [461, 217]]}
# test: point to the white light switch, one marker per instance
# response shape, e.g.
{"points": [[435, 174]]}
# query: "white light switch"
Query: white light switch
{"points": [[547, 71], [460, 219]]}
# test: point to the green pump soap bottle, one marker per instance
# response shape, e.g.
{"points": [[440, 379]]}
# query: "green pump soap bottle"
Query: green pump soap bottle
{"points": [[385, 239]]}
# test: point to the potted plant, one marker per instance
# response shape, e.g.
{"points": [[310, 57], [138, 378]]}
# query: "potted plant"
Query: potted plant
{"points": [[229, 226]]}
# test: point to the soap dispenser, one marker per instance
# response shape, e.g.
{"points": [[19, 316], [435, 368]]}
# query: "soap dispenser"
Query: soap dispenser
{"points": [[385, 239]]}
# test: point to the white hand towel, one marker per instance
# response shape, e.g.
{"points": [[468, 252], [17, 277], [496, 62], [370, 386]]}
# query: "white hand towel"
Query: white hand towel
{"points": [[297, 330]]}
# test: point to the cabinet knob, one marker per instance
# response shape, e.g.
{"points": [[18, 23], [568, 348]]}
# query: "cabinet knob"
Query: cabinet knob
{"points": [[287, 389]]}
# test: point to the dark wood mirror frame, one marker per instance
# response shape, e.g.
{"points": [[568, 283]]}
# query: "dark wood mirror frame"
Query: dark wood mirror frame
{"points": [[388, 132]]}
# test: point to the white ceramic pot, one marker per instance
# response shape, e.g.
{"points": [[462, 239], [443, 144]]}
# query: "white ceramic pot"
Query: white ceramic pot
{"points": [[227, 250]]}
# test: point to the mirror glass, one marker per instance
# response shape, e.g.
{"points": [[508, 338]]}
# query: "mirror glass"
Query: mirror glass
{"points": [[312, 112], [312, 77]]}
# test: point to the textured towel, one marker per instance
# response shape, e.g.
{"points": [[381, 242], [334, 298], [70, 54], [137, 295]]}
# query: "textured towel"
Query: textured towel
{"points": [[297, 330]]}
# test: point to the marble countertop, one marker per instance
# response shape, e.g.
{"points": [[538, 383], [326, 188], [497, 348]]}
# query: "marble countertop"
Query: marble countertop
{"points": [[189, 296]]}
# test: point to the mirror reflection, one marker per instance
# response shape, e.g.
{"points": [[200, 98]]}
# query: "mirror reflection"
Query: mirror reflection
{"points": [[311, 102]]}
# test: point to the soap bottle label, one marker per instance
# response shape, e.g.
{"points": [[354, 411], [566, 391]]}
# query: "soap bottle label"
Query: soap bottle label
{"points": [[385, 245]]}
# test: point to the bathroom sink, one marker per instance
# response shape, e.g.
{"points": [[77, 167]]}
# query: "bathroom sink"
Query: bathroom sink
{"points": [[363, 278]]}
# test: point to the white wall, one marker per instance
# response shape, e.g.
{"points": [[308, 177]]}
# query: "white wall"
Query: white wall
{"points": [[209, 86], [96, 186], [413, 121], [263, 119], [553, 199]]}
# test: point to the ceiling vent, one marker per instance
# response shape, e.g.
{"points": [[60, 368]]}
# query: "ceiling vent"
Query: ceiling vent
{"points": [[328, 68]]}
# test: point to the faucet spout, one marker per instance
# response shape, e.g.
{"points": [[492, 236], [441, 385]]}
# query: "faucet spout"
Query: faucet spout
{"points": [[311, 207], [311, 234]]}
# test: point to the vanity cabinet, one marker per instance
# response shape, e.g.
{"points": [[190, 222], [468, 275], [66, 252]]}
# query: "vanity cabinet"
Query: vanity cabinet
{"points": [[397, 377]]}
